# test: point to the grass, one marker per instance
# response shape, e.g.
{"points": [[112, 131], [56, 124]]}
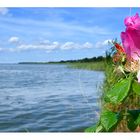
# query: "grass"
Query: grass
{"points": [[98, 66]]}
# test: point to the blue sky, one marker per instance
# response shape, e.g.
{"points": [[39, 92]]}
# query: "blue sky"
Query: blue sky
{"points": [[53, 34]]}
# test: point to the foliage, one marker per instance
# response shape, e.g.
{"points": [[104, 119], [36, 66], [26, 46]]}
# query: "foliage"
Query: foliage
{"points": [[84, 60], [136, 87], [121, 95], [119, 91]]}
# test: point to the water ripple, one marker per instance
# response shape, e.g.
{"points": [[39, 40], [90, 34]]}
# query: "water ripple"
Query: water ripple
{"points": [[48, 98]]}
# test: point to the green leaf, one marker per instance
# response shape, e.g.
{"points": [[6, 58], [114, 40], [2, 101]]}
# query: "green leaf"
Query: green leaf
{"points": [[136, 87], [138, 120], [96, 128], [135, 113], [120, 91], [91, 129], [132, 119], [99, 128], [108, 119], [131, 123]]}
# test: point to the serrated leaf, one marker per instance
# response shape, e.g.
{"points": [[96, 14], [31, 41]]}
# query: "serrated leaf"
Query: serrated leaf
{"points": [[108, 119], [136, 87], [120, 91]]}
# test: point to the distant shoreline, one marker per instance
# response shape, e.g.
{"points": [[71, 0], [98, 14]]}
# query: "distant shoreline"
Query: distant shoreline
{"points": [[96, 66], [84, 60], [42, 63], [32, 63]]}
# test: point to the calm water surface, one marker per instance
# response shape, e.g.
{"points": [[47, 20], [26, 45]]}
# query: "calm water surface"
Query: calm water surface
{"points": [[48, 98]]}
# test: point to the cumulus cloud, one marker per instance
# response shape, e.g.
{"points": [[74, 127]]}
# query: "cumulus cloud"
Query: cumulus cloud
{"points": [[25, 47], [13, 39], [47, 46], [4, 11], [68, 46], [87, 45], [102, 44], [72, 45]]}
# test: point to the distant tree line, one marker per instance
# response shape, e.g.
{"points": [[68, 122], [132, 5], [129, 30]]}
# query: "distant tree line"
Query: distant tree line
{"points": [[93, 59], [84, 60]]}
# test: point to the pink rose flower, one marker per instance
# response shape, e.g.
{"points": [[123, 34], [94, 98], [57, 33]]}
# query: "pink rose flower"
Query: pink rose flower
{"points": [[131, 37]]}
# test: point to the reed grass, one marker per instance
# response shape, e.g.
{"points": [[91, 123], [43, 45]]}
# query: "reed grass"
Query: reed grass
{"points": [[97, 66]]}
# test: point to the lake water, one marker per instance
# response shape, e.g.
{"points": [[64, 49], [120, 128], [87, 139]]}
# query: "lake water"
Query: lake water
{"points": [[48, 98]]}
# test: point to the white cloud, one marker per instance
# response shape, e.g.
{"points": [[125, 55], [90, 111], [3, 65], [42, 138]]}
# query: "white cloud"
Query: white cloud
{"points": [[106, 42], [42, 46], [4, 11], [13, 39], [68, 45], [102, 44], [87, 45], [2, 49], [47, 46], [72, 45]]}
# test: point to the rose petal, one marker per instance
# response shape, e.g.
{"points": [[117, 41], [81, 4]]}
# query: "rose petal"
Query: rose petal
{"points": [[131, 37]]}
